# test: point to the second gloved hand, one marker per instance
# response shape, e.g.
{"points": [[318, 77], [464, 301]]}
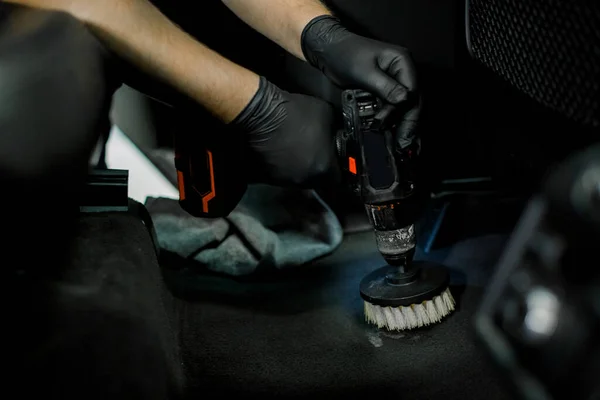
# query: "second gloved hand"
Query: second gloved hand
{"points": [[289, 137], [355, 62]]}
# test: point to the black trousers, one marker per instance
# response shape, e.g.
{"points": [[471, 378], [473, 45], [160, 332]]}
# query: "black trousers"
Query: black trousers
{"points": [[82, 295], [56, 88]]}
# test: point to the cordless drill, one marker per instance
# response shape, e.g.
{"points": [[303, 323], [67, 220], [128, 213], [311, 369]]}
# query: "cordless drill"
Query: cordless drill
{"points": [[404, 294], [382, 174]]}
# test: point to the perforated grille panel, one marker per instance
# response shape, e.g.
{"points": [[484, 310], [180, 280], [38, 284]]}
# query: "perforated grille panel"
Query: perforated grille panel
{"points": [[549, 49]]}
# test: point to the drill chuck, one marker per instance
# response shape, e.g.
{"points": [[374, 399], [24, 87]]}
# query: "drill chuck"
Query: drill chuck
{"points": [[398, 246], [394, 230]]}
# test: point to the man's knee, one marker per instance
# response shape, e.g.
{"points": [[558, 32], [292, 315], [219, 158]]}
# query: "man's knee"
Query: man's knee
{"points": [[53, 92]]}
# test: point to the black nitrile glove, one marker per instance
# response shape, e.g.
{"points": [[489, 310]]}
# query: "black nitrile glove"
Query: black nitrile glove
{"points": [[289, 138], [355, 62]]}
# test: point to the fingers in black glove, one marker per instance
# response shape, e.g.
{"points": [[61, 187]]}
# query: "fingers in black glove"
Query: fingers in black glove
{"points": [[289, 138], [355, 62], [407, 130]]}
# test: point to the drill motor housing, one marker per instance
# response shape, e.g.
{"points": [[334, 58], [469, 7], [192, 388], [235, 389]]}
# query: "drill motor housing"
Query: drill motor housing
{"points": [[381, 173]]}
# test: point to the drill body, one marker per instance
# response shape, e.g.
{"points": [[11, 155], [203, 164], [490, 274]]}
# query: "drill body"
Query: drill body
{"points": [[381, 173], [212, 182]]}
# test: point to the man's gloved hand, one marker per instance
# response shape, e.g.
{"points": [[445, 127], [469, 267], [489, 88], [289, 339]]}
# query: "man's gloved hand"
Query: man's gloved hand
{"points": [[289, 137], [356, 62]]}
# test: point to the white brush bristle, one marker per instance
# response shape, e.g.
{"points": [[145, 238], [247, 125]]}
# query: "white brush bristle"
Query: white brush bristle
{"points": [[413, 316]]}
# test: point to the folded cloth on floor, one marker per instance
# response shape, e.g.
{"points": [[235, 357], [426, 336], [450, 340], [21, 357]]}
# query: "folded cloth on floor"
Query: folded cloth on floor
{"points": [[271, 228]]}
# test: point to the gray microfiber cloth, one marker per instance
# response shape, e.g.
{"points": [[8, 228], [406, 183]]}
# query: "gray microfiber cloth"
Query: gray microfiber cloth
{"points": [[271, 228]]}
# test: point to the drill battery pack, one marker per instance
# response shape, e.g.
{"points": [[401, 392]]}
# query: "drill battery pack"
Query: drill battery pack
{"points": [[210, 173]]}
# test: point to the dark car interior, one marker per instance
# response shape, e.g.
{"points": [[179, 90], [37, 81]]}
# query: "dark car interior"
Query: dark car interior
{"points": [[509, 131]]}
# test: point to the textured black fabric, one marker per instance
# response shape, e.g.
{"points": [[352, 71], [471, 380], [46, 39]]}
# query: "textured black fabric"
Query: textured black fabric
{"points": [[301, 334], [548, 49], [101, 330], [109, 328]]}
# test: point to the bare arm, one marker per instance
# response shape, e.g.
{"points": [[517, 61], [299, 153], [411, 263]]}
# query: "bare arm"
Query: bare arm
{"points": [[140, 33], [282, 21]]}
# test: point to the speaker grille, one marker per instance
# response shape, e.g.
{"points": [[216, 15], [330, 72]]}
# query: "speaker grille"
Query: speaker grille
{"points": [[548, 49]]}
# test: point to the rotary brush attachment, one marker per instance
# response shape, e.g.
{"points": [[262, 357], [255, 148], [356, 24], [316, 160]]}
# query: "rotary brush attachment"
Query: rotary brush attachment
{"points": [[400, 298]]}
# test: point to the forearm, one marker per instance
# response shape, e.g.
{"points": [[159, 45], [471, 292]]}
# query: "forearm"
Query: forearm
{"points": [[140, 33], [282, 21]]}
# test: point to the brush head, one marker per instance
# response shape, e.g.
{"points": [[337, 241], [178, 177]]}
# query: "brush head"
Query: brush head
{"points": [[401, 299]]}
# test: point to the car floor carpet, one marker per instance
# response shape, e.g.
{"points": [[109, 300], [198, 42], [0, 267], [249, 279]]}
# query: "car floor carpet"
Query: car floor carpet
{"points": [[112, 328], [98, 330], [301, 333]]}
